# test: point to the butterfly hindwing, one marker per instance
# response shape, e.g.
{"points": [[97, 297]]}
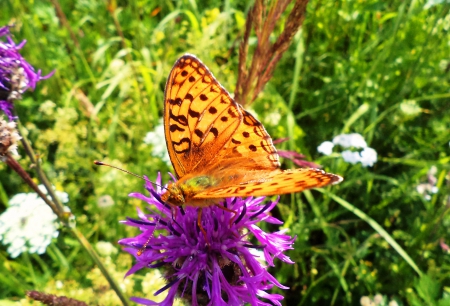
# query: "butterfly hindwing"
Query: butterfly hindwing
{"points": [[251, 141], [274, 183]]}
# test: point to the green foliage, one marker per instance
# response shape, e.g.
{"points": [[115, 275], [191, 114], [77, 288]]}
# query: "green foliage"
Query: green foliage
{"points": [[378, 68]]}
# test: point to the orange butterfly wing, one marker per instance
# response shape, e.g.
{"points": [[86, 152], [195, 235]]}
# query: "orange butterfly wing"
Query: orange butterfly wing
{"points": [[206, 129], [274, 183], [209, 134]]}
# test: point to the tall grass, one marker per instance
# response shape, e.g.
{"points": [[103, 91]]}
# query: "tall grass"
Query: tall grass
{"points": [[376, 68]]}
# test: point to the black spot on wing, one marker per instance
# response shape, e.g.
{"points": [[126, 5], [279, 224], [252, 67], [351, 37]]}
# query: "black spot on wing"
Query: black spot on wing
{"points": [[176, 101], [198, 133], [183, 141], [214, 131], [193, 113], [175, 127], [181, 119], [189, 97]]}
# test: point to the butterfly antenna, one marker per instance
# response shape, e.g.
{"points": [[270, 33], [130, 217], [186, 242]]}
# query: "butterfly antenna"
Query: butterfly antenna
{"points": [[100, 163]]}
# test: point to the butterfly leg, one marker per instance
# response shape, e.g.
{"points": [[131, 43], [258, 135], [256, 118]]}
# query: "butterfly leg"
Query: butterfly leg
{"points": [[142, 249], [173, 210], [229, 210], [199, 223]]}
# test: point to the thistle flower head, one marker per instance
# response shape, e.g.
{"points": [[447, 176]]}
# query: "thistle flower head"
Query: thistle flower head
{"points": [[222, 268], [16, 74]]}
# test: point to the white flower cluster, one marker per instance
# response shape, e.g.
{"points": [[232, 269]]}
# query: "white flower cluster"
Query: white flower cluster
{"points": [[28, 224], [377, 300], [367, 156], [429, 188], [158, 141]]}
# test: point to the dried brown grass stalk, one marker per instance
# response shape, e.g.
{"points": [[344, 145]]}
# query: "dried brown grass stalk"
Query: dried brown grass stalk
{"points": [[263, 18], [53, 300]]}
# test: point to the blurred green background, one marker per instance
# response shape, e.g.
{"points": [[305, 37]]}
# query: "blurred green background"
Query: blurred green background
{"points": [[377, 68]]}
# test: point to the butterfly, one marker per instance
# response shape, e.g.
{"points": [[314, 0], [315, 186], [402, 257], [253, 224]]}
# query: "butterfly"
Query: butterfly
{"points": [[217, 148]]}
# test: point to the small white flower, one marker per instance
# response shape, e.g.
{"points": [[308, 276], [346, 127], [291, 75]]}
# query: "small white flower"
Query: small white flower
{"points": [[158, 141], [351, 157], [422, 188], [273, 118], [378, 299], [105, 201], [28, 225], [426, 189], [365, 301], [105, 248], [59, 284], [350, 140], [326, 147], [368, 157]]}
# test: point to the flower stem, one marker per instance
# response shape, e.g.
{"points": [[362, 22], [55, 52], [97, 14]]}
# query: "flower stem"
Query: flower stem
{"points": [[58, 209], [88, 247], [24, 175]]}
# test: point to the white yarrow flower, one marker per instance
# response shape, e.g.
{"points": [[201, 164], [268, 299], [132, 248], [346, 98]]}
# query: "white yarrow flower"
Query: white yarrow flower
{"points": [[351, 157], [158, 141], [350, 140], [368, 157], [325, 148], [28, 224]]}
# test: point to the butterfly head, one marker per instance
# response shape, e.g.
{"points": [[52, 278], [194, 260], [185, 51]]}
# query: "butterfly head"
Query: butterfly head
{"points": [[173, 195]]}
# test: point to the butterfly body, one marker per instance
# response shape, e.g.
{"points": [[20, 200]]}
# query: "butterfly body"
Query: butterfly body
{"points": [[183, 191], [217, 148]]}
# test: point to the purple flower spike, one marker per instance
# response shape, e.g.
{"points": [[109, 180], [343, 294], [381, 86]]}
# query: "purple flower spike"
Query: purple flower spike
{"points": [[16, 74], [224, 269]]}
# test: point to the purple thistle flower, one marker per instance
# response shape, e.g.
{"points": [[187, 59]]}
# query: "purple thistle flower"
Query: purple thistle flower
{"points": [[225, 269], [16, 74]]}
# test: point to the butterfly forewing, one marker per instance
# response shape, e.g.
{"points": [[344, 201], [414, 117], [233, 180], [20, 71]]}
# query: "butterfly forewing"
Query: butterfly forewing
{"points": [[205, 127], [200, 117]]}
